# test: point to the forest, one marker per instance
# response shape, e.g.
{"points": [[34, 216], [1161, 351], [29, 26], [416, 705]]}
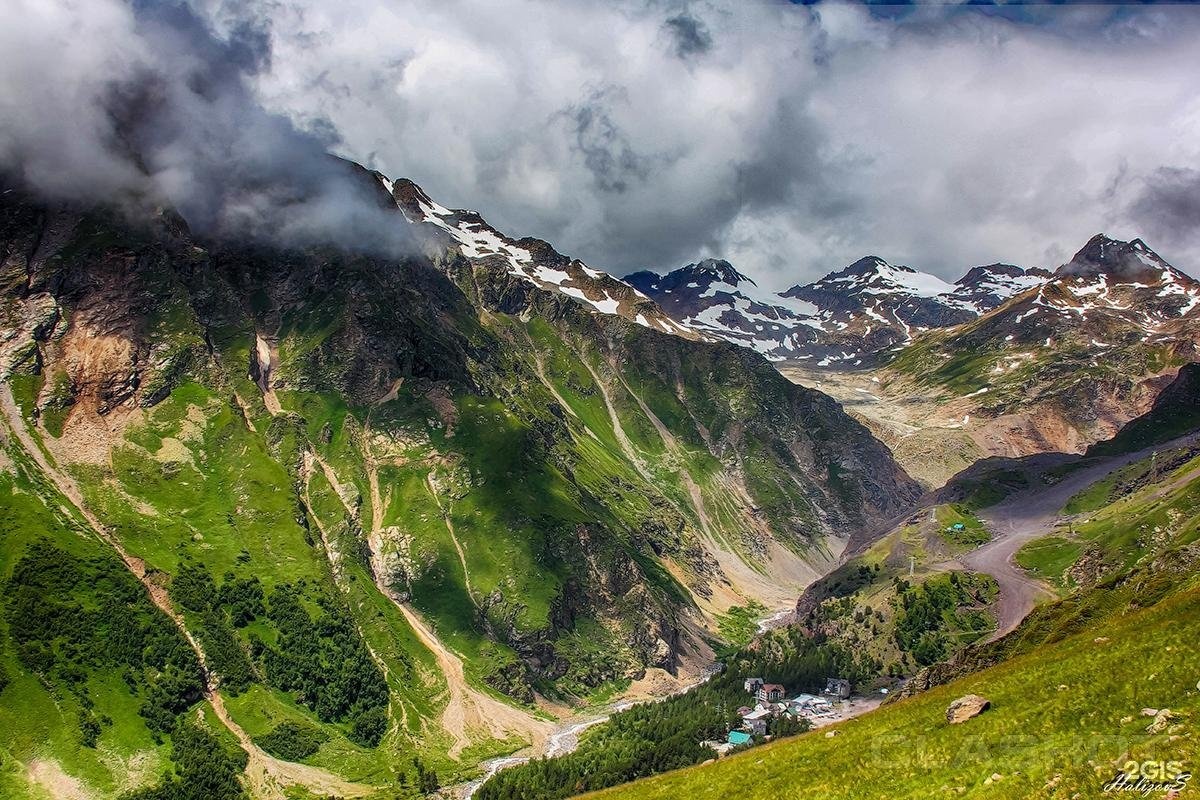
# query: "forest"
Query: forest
{"points": [[943, 605], [69, 616]]}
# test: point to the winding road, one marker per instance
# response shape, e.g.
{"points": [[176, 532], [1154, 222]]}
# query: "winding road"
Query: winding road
{"points": [[1030, 514]]}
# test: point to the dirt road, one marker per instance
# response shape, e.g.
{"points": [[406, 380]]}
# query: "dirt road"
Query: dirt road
{"points": [[1028, 515]]}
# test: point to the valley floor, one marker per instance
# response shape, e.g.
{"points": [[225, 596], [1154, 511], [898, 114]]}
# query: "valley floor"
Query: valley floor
{"points": [[565, 736], [931, 438]]}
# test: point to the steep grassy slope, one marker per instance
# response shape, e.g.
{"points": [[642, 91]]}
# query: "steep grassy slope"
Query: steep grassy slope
{"points": [[392, 501], [1088, 662], [1065, 718], [80, 695], [1145, 509]]}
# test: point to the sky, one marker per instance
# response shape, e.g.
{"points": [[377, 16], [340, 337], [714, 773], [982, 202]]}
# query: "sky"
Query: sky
{"points": [[789, 139]]}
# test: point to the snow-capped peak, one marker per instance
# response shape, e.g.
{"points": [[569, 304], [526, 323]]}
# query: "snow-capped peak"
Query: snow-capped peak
{"points": [[531, 260], [986, 287], [1118, 261], [873, 275], [719, 270], [846, 319], [1109, 289]]}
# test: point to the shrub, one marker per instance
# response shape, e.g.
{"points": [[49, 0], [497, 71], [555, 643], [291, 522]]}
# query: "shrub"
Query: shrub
{"points": [[369, 726], [293, 741]]}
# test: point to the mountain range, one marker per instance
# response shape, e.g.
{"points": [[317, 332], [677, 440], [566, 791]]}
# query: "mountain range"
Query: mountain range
{"points": [[395, 502], [1060, 366], [846, 320], [367, 507]]}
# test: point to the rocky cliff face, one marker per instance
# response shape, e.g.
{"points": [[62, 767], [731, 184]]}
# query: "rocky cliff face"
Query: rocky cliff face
{"points": [[525, 452], [1067, 364]]}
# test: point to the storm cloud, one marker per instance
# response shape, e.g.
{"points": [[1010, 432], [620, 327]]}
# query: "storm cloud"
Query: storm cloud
{"points": [[1168, 209], [790, 139], [691, 35], [145, 106]]}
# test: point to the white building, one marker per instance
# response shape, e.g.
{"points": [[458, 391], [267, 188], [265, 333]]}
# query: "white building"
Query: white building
{"points": [[756, 721], [809, 705]]}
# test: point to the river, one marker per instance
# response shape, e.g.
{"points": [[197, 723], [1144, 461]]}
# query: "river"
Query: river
{"points": [[776, 620], [564, 739]]}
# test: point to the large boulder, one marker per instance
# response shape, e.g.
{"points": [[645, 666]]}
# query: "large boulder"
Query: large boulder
{"points": [[962, 709], [1162, 720]]}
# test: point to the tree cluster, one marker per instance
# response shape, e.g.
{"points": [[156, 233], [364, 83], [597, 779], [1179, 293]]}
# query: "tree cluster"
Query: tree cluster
{"points": [[326, 664], [238, 602], [205, 769], [926, 612], [70, 616], [293, 741]]}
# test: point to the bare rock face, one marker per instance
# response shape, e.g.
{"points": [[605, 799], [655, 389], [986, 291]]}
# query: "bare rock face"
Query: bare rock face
{"points": [[966, 707]]}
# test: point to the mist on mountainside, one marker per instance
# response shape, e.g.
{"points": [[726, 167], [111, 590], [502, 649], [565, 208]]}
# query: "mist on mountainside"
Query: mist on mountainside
{"points": [[143, 107]]}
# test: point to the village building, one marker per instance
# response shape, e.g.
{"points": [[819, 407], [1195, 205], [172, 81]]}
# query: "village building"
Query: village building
{"points": [[810, 707], [737, 738], [752, 685], [770, 693], [756, 721], [808, 703], [837, 687]]}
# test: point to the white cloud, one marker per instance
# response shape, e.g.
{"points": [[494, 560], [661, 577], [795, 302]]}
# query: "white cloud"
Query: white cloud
{"points": [[790, 139]]}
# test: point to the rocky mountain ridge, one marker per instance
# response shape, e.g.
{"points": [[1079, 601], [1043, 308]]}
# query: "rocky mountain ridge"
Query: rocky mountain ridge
{"points": [[849, 319], [531, 260], [1057, 368]]}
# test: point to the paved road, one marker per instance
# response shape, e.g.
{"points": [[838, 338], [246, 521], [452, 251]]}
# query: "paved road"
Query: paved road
{"points": [[1028, 515]]}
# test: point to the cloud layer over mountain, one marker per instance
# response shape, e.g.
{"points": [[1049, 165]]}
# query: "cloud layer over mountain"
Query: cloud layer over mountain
{"points": [[144, 106], [788, 139]]}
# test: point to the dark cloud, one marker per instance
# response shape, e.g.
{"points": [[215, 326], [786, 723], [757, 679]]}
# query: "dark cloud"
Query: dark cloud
{"points": [[784, 168], [1169, 205], [689, 34], [158, 112], [790, 140], [605, 148]]}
